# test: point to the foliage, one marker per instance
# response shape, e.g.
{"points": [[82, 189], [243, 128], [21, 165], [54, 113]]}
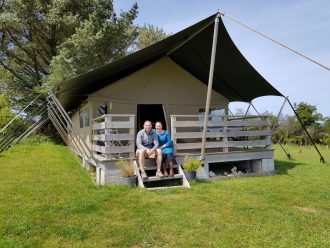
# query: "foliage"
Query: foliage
{"points": [[5, 115], [61, 70], [191, 164], [148, 35], [325, 135], [126, 167], [99, 39], [307, 114], [5, 79], [36, 139], [327, 125], [71, 36], [48, 200], [325, 140], [241, 111], [290, 131]]}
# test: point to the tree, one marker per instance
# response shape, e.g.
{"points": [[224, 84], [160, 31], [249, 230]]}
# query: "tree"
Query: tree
{"points": [[325, 135], [307, 114], [148, 35], [99, 39], [72, 36], [326, 125], [240, 111], [5, 79], [5, 115]]}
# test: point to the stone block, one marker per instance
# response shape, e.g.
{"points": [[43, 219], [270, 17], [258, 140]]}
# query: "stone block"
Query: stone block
{"points": [[268, 165], [203, 171]]}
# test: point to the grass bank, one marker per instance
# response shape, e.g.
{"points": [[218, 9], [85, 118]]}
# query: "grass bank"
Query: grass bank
{"points": [[47, 200]]}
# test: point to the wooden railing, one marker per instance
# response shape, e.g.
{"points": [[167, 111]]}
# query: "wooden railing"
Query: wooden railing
{"points": [[114, 136], [224, 133]]}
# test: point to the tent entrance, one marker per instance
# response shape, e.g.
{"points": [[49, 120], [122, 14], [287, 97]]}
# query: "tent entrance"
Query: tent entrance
{"points": [[151, 112]]}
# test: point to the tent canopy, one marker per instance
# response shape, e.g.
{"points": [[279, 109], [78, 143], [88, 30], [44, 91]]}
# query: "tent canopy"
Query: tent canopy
{"points": [[234, 77]]}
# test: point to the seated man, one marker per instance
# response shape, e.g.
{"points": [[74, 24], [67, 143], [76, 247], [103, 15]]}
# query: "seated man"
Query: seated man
{"points": [[147, 144]]}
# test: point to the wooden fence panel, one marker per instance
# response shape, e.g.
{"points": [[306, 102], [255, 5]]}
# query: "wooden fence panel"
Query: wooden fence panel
{"points": [[227, 132]]}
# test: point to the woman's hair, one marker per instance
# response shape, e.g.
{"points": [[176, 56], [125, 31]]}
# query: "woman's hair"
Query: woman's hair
{"points": [[159, 123]]}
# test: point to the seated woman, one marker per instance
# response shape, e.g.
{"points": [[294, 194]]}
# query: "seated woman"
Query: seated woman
{"points": [[166, 145]]}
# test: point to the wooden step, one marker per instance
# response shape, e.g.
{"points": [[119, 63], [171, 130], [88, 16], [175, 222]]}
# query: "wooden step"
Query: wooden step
{"points": [[166, 187], [154, 183], [154, 178]]}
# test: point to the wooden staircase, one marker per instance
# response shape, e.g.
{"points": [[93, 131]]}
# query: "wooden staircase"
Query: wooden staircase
{"points": [[152, 182]]}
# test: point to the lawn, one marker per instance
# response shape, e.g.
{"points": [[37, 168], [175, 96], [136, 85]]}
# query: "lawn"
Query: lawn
{"points": [[48, 200]]}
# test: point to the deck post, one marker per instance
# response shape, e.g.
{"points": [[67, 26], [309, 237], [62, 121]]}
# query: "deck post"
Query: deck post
{"points": [[173, 129], [210, 82]]}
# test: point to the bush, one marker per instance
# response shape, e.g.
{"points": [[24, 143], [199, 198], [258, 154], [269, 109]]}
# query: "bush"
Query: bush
{"points": [[126, 167], [36, 139], [325, 140], [191, 164]]}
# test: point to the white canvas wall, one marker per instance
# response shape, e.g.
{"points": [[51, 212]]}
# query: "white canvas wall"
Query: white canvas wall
{"points": [[163, 82]]}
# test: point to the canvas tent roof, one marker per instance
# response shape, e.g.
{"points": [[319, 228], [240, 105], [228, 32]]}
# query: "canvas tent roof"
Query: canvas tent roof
{"points": [[190, 48]]}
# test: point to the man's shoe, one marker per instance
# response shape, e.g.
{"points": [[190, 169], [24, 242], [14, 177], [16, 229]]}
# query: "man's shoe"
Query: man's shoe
{"points": [[159, 174], [144, 175]]}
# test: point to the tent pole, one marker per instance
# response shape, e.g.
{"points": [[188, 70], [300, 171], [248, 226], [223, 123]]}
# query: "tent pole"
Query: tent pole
{"points": [[279, 113], [255, 109], [276, 124], [281, 109], [166, 119], [309, 136], [210, 82], [247, 110]]}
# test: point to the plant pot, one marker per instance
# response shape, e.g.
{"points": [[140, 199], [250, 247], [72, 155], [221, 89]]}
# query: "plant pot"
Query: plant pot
{"points": [[129, 180], [190, 175]]}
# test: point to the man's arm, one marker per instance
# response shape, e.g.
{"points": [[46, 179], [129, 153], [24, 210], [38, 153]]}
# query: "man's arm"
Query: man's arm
{"points": [[139, 138]]}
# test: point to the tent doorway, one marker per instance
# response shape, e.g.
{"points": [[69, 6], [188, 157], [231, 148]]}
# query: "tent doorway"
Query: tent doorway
{"points": [[151, 112]]}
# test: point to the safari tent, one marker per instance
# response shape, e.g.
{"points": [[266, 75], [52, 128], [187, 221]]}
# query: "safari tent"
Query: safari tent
{"points": [[168, 81]]}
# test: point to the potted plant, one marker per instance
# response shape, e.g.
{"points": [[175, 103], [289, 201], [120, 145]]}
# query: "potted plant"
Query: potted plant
{"points": [[127, 171], [190, 166]]}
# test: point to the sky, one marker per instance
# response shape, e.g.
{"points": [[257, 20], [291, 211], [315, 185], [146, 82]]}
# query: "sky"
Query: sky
{"points": [[302, 25]]}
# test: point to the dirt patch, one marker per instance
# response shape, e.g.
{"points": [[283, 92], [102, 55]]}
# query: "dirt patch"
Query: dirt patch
{"points": [[306, 209]]}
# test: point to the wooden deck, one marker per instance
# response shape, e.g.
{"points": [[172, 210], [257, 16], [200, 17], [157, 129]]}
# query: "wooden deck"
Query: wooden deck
{"points": [[114, 136], [230, 138]]}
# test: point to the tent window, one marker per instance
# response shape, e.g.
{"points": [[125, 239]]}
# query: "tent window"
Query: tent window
{"points": [[102, 109], [81, 119], [84, 117]]}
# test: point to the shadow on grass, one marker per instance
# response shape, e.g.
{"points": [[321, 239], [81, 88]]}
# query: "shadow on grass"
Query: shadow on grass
{"points": [[199, 181], [283, 166]]}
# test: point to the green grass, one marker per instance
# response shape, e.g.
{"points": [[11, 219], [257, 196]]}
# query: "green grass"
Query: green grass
{"points": [[47, 200]]}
